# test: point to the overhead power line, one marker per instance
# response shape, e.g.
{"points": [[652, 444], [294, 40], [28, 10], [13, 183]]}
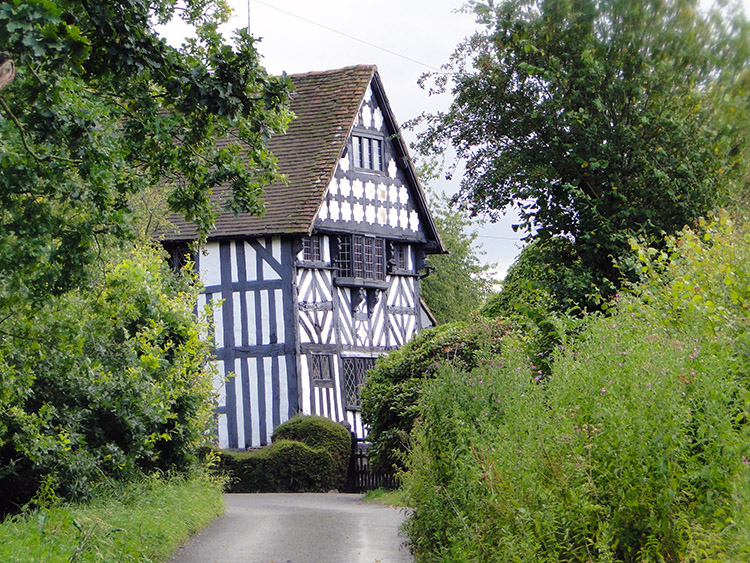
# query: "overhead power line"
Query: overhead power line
{"points": [[331, 29]]}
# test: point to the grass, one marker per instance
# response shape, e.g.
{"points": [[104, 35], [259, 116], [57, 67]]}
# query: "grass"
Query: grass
{"points": [[142, 522], [386, 496]]}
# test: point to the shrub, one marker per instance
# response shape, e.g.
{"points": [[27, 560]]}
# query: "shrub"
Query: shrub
{"points": [[321, 434], [391, 395], [109, 381], [307, 454], [635, 449]]}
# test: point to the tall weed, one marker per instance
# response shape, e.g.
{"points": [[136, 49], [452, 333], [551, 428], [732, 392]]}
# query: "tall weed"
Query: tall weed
{"points": [[634, 449]]}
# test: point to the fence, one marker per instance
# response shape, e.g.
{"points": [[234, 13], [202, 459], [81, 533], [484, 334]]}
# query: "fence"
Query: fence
{"points": [[360, 479]]}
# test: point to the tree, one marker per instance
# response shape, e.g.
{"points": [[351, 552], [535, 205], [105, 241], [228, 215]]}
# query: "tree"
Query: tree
{"points": [[459, 282], [100, 109], [102, 369], [598, 119]]}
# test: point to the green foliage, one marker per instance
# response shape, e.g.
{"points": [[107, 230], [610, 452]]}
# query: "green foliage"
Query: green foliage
{"points": [[600, 120], [107, 382], [635, 449], [307, 454], [101, 109], [543, 290], [142, 521], [459, 282], [390, 397]]}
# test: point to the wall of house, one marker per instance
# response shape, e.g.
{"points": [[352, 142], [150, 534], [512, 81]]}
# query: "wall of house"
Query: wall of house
{"points": [[248, 289]]}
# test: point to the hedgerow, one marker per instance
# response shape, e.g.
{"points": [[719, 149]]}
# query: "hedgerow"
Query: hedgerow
{"points": [[634, 449]]}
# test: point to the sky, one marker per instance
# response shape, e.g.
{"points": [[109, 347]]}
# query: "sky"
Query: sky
{"points": [[404, 38]]}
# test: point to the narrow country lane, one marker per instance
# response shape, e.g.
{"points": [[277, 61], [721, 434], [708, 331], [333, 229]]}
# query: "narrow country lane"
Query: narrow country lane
{"points": [[300, 528]]}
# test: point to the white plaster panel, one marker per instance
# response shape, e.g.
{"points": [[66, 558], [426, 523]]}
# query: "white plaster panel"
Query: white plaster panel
{"points": [[346, 212], [358, 189], [366, 115], [210, 264], [278, 296], [345, 187], [323, 213], [369, 190], [414, 221], [237, 312], [223, 432], [218, 315], [334, 210], [252, 338], [267, 367], [377, 118], [305, 384], [358, 212], [268, 272], [370, 214], [344, 164], [251, 270], [393, 192], [393, 217], [392, 168], [403, 195], [233, 260], [265, 317], [252, 369], [326, 242], [382, 216], [333, 187], [403, 219], [283, 390], [239, 409]]}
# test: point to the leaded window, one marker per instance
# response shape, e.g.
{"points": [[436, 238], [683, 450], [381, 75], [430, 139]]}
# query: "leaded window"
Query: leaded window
{"points": [[367, 152], [312, 248], [360, 256], [355, 374], [321, 367]]}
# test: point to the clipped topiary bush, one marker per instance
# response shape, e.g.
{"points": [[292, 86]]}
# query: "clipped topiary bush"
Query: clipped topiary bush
{"points": [[321, 434], [390, 398], [307, 454]]}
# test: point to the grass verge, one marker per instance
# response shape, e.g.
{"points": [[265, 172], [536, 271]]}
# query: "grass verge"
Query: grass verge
{"points": [[386, 496], [144, 521]]}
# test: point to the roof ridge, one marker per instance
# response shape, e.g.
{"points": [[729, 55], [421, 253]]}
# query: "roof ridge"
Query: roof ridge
{"points": [[368, 67]]}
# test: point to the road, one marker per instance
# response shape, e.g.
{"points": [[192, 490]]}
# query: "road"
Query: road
{"points": [[300, 528]]}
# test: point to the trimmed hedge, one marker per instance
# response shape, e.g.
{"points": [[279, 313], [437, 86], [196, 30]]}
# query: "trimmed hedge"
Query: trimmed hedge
{"points": [[307, 454]]}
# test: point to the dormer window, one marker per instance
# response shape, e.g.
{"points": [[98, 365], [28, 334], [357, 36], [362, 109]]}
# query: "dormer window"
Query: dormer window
{"points": [[367, 153]]}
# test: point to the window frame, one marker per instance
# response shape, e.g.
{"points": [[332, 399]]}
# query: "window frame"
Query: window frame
{"points": [[312, 248], [354, 375], [361, 260], [367, 153]]}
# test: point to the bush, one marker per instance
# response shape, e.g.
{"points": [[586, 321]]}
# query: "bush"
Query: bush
{"points": [[321, 434], [106, 382], [391, 395], [635, 449], [307, 454]]}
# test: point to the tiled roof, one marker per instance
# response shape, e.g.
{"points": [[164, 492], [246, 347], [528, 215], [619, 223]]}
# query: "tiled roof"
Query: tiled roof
{"points": [[325, 105]]}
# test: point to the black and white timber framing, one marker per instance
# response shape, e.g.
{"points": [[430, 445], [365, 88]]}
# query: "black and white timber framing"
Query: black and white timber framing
{"points": [[306, 298]]}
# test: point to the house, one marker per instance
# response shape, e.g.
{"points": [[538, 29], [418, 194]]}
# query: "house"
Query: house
{"points": [[312, 292]]}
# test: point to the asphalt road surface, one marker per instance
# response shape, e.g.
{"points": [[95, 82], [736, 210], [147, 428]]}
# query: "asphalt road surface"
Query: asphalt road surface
{"points": [[300, 528]]}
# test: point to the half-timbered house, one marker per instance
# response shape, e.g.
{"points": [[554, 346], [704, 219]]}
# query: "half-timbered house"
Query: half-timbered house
{"points": [[309, 294]]}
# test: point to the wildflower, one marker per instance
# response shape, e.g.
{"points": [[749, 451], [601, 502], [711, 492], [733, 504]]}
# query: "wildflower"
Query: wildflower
{"points": [[614, 325], [604, 391]]}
